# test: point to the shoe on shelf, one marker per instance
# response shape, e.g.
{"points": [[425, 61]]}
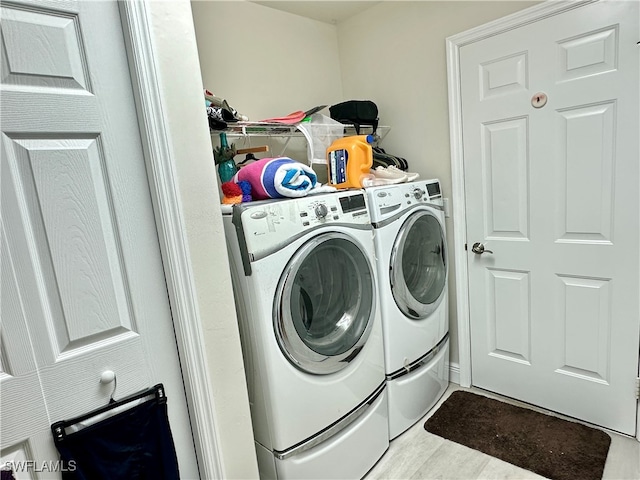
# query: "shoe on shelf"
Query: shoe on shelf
{"points": [[397, 176], [410, 176], [374, 181]]}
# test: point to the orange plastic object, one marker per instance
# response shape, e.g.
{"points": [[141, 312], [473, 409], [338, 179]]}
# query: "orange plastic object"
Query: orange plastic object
{"points": [[349, 161]]}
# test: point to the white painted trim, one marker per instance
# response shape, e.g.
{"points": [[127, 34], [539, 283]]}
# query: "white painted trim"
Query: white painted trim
{"points": [[454, 373], [515, 20], [459, 214], [173, 244], [453, 44]]}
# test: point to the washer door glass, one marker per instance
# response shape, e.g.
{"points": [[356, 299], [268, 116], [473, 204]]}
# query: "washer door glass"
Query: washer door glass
{"points": [[418, 269], [324, 304]]}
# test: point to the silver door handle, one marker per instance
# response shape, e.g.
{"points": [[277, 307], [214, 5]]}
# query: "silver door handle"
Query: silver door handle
{"points": [[479, 249]]}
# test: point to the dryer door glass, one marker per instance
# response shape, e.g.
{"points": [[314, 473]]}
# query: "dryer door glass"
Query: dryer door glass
{"points": [[324, 307], [418, 269]]}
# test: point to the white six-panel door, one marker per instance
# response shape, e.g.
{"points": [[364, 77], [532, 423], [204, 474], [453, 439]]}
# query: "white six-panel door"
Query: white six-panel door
{"points": [[553, 192], [83, 288]]}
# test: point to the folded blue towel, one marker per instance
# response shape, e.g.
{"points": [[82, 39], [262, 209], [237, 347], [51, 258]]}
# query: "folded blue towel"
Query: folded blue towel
{"points": [[279, 177]]}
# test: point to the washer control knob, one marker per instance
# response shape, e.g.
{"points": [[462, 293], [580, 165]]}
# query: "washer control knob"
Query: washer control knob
{"points": [[417, 193], [321, 210]]}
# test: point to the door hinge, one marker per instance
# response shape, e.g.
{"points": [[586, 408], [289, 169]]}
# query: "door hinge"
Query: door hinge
{"points": [[638, 388]]}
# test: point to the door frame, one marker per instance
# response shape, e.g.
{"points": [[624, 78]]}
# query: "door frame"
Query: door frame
{"points": [[163, 186], [453, 45]]}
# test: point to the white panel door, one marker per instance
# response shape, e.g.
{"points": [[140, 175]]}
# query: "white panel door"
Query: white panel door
{"points": [[83, 287], [553, 193]]}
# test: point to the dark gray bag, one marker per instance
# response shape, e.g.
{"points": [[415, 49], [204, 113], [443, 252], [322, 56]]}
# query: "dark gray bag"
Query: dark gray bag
{"points": [[356, 112]]}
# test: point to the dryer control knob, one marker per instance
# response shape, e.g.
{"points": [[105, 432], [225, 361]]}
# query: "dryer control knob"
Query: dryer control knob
{"points": [[418, 193], [321, 210]]}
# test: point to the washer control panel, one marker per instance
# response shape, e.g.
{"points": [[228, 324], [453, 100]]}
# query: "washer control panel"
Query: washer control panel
{"points": [[272, 223], [333, 208], [390, 200]]}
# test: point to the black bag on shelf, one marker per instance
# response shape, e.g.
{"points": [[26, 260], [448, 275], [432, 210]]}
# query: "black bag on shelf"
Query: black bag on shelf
{"points": [[356, 112]]}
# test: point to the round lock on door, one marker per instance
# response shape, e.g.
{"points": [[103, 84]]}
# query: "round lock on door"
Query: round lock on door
{"points": [[418, 265], [324, 305]]}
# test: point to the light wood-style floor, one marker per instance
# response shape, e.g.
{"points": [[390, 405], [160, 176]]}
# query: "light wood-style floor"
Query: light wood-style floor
{"points": [[418, 454]]}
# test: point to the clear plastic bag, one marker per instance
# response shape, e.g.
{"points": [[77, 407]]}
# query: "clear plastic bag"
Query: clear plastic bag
{"points": [[320, 132]]}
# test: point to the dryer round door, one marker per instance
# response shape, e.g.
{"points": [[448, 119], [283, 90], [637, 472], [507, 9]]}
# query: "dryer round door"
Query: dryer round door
{"points": [[324, 304], [418, 265]]}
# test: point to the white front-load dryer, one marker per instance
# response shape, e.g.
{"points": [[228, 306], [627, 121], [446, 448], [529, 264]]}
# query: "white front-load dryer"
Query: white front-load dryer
{"points": [[411, 250], [306, 295]]}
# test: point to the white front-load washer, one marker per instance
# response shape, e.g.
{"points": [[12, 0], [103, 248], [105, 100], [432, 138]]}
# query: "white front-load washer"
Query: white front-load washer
{"points": [[307, 301], [410, 241]]}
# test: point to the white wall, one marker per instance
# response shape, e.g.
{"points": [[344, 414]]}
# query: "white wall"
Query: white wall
{"points": [[394, 54], [175, 46], [265, 62]]}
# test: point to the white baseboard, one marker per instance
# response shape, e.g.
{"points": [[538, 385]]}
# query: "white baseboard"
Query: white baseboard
{"points": [[454, 373]]}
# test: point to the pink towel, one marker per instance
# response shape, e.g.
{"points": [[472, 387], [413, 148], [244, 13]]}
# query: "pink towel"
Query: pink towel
{"points": [[293, 117], [277, 177]]}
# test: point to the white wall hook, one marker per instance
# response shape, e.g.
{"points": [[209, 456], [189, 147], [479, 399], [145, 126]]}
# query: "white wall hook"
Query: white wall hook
{"points": [[109, 376]]}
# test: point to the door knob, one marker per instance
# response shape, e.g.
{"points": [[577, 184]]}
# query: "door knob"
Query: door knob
{"points": [[479, 249]]}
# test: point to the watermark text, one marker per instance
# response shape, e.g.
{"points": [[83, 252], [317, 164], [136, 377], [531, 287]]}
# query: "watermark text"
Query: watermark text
{"points": [[39, 466]]}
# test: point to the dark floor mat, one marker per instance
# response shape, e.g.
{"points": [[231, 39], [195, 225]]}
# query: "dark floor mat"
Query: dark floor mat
{"points": [[549, 446]]}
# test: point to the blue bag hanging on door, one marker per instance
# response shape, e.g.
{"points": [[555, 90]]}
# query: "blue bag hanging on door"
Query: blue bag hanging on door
{"points": [[135, 444]]}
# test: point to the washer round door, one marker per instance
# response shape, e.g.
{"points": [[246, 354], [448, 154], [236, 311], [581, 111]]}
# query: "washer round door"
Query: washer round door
{"points": [[418, 265], [324, 305]]}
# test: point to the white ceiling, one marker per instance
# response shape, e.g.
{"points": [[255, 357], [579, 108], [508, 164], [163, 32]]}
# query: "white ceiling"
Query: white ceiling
{"points": [[332, 12]]}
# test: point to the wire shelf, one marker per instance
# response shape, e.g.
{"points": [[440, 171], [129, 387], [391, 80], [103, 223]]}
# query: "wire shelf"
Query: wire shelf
{"points": [[264, 129]]}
